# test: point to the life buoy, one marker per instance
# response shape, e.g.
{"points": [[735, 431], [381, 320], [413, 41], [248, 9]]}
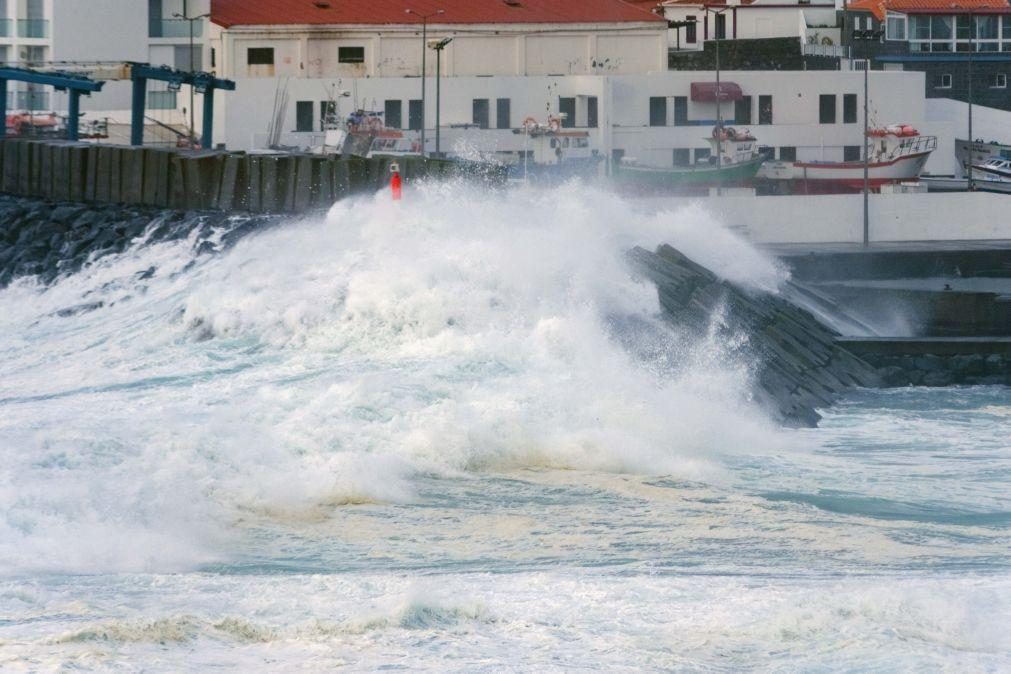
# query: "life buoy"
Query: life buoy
{"points": [[908, 131], [877, 133], [529, 123], [554, 124]]}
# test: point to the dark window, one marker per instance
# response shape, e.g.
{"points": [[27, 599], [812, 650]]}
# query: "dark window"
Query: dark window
{"points": [[567, 108], [942, 81], [682, 156], [702, 155], [591, 112], [788, 153], [214, 58], [742, 110], [680, 111], [351, 54], [480, 109], [303, 115], [502, 113], [849, 108], [721, 27], [414, 114], [327, 114], [851, 153], [616, 156], [260, 56], [690, 36], [657, 111], [826, 109], [765, 109], [393, 112]]}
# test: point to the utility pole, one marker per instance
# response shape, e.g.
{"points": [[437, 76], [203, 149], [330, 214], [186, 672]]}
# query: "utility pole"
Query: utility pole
{"points": [[185, 16], [719, 101], [424, 49], [438, 47], [866, 36]]}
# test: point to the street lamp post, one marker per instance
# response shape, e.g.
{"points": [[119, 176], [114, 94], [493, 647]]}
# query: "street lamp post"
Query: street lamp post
{"points": [[438, 47], [719, 101], [424, 49], [972, 47], [185, 17], [866, 36]]}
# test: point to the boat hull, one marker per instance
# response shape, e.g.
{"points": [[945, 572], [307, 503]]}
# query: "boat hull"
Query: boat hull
{"points": [[849, 176], [675, 179]]}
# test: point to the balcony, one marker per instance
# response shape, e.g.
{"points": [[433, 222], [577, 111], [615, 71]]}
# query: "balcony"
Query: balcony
{"points": [[6, 28], [33, 27], [174, 28]]}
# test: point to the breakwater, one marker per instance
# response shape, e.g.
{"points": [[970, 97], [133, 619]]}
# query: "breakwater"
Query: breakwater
{"points": [[210, 179]]}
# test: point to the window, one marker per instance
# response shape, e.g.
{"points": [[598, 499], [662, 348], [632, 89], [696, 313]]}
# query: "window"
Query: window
{"points": [[788, 153], [765, 109], [702, 155], [414, 114], [502, 113], [998, 81], [260, 56], [682, 156], [214, 58], [721, 26], [942, 81], [849, 108], [657, 111], [591, 112], [185, 58], [567, 111], [851, 153], [680, 111], [480, 112], [328, 115], [393, 114], [895, 27], [161, 100], [742, 110], [826, 109], [350, 54], [303, 116], [690, 35]]}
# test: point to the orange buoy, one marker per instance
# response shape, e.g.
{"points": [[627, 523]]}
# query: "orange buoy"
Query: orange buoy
{"points": [[395, 181]]}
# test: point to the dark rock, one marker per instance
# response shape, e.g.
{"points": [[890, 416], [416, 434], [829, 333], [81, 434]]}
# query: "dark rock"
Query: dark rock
{"points": [[894, 376], [930, 363], [938, 378], [65, 214]]}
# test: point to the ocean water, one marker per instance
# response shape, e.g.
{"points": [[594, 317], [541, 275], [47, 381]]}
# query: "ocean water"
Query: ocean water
{"points": [[452, 434]]}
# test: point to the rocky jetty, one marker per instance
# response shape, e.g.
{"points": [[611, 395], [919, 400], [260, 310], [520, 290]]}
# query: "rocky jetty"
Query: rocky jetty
{"points": [[47, 239], [798, 366]]}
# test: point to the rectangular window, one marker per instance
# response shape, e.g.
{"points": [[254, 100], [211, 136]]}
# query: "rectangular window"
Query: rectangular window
{"points": [[895, 28], [214, 58], [680, 111], [702, 155], [350, 54], [503, 113], [393, 114], [919, 28], [765, 109], [721, 26], [187, 59], [682, 156], [260, 56], [567, 111], [742, 110], [161, 100], [303, 115], [849, 108], [998, 81], [942, 81], [851, 153], [787, 153], [414, 114], [327, 115], [657, 111], [690, 35], [591, 112], [480, 113], [826, 109]]}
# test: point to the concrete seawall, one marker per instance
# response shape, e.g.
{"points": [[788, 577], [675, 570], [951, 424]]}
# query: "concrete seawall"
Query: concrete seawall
{"points": [[205, 180]]}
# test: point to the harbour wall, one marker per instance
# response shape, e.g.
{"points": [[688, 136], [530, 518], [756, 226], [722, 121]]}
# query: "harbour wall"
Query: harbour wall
{"points": [[189, 180]]}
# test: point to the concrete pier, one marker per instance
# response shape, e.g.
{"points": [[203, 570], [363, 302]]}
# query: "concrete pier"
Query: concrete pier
{"points": [[209, 179]]}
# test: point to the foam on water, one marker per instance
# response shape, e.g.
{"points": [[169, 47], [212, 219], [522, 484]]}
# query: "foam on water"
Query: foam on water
{"points": [[452, 434]]}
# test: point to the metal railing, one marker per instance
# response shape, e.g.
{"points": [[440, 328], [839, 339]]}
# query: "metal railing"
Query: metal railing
{"points": [[833, 50], [175, 28], [33, 27]]}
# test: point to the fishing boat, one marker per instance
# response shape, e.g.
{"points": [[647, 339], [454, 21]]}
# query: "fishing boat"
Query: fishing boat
{"points": [[739, 161], [995, 169], [895, 154], [552, 151]]}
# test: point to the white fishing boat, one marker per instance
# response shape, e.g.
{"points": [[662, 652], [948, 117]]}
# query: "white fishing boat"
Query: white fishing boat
{"points": [[896, 153], [996, 169]]}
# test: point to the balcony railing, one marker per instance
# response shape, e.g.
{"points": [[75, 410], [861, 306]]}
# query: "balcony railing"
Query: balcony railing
{"points": [[175, 28], [33, 27], [6, 26]]}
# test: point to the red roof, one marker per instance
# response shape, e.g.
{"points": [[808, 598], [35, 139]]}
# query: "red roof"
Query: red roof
{"points": [[228, 13], [878, 7]]}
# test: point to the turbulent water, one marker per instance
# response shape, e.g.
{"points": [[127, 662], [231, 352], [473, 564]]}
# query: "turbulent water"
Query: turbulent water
{"points": [[454, 434]]}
